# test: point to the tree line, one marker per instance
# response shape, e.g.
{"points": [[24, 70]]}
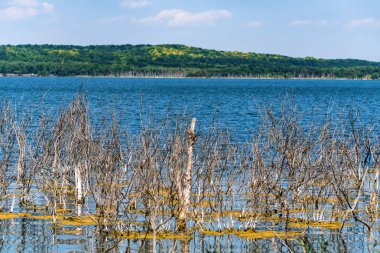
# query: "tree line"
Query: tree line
{"points": [[172, 60]]}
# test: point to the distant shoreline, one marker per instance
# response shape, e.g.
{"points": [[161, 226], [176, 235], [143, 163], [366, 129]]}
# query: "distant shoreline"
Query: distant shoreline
{"points": [[195, 77], [174, 61]]}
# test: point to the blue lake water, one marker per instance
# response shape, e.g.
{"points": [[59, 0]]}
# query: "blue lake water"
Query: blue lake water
{"points": [[234, 104], [231, 103]]}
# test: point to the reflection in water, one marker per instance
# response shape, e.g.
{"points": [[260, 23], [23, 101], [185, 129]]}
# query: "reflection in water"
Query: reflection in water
{"points": [[26, 235], [265, 207]]}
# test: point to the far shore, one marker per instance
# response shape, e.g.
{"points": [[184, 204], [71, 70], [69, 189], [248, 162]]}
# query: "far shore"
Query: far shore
{"points": [[195, 77]]}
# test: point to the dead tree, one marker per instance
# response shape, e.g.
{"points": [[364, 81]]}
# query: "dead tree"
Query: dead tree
{"points": [[184, 183]]}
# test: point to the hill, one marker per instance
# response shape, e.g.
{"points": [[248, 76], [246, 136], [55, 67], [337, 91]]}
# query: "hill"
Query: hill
{"points": [[172, 60]]}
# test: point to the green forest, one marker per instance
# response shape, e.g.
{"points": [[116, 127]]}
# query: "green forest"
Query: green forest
{"points": [[172, 60]]}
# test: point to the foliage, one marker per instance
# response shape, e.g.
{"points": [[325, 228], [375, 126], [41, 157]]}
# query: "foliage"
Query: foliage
{"points": [[172, 60]]}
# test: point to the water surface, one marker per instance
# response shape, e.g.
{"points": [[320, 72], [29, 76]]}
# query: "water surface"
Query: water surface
{"points": [[229, 103]]}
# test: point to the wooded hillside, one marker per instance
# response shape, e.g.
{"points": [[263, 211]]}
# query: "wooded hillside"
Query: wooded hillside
{"points": [[171, 60]]}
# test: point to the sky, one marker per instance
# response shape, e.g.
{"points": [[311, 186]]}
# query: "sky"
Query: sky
{"points": [[298, 28]]}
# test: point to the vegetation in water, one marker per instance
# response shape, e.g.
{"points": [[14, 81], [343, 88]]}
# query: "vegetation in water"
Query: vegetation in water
{"points": [[173, 182], [172, 60]]}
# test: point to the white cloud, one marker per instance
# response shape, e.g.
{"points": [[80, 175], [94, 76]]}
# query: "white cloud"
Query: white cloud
{"points": [[18, 12], [179, 18], [47, 7], [304, 23], [135, 4], [365, 22], [24, 3], [24, 9], [254, 24]]}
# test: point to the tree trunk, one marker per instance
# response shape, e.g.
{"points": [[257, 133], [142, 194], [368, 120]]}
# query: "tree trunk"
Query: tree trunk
{"points": [[184, 201], [78, 183]]}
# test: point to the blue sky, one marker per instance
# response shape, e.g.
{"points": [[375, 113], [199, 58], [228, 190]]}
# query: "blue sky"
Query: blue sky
{"points": [[319, 28]]}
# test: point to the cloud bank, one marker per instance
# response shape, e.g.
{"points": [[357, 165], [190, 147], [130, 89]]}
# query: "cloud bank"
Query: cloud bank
{"points": [[306, 23], [181, 18], [365, 23], [135, 4], [24, 9]]}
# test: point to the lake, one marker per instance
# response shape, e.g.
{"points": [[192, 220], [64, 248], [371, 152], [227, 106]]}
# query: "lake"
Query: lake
{"points": [[234, 104]]}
